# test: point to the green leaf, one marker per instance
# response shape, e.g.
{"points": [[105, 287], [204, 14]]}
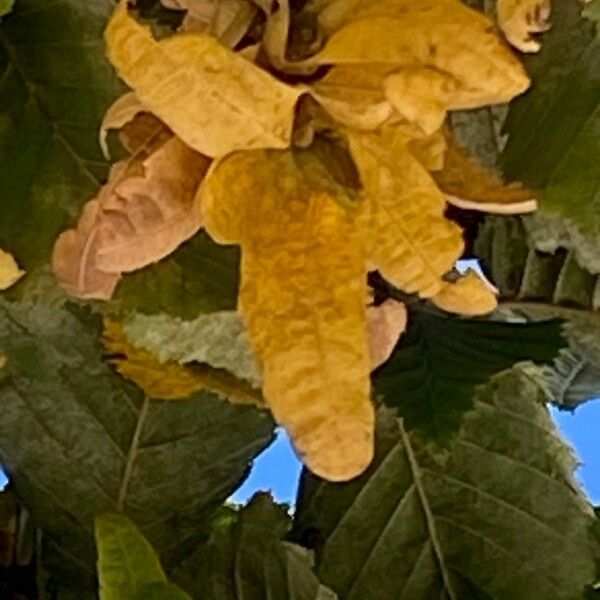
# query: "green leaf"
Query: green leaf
{"points": [[554, 129], [78, 440], [250, 561], [125, 558], [55, 85], [128, 567], [536, 285], [6, 6], [496, 516], [572, 379], [199, 277], [218, 339], [158, 591], [548, 232], [433, 371]]}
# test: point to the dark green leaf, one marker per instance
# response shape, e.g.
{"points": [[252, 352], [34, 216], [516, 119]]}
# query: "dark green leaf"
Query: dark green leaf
{"points": [[158, 591], [78, 440], [55, 85], [433, 371], [496, 516], [200, 277], [555, 128], [249, 560]]}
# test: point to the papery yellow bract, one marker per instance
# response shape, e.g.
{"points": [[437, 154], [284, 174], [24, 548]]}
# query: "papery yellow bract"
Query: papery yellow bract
{"points": [[215, 100], [410, 241], [440, 56], [353, 96], [518, 19], [302, 296], [470, 296], [470, 186], [9, 270], [385, 323]]}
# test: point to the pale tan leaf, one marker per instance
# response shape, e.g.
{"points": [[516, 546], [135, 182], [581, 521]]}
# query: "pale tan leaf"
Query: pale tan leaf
{"points": [[74, 259], [470, 296], [309, 335], [3, 361], [470, 186], [148, 216], [9, 270], [121, 112], [215, 100], [141, 215], [385, 324], [411, 242], [519, 19]]}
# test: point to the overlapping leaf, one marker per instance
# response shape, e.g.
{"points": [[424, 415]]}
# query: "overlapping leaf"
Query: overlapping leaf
{"points": [[536, 285], [170, 380], [128, 567], [217, 339], [199, 277], [520, 19], [410, 241], [386, 323], [54, 87], [220, 340], [141, 215], [468, 185], [496, 516], [430, 68], [548, 232], [555, 129], [223, 103], [302, 296], [432, 375], [165, 463], [226, 20], [249, 560]]}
